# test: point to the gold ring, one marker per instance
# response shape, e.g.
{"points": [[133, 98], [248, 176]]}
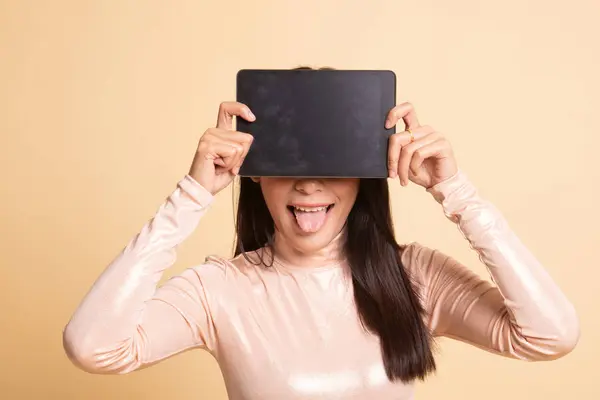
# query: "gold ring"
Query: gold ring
{"points": [[412, 137]]}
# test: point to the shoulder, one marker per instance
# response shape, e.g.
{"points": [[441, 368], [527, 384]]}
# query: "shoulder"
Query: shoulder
{"points": [[414, 255], [422, 262], [230, 270], [220, 283]]}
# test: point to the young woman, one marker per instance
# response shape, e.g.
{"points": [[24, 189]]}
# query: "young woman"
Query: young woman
{"points": [[320, 302]]}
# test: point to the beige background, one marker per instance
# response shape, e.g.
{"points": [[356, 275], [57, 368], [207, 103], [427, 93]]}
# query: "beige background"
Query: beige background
{"points": [[102, 104]]}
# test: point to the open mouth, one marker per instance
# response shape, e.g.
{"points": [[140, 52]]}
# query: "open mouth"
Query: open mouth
{"points": [[310, 218]]}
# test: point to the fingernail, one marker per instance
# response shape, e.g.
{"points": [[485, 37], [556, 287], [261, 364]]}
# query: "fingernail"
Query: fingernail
{"points": [[250, 115], [387, 124], [392, 173]]}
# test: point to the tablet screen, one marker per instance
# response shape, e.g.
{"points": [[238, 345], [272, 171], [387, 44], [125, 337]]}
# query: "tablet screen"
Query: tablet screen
{"points": [[316, 123]]}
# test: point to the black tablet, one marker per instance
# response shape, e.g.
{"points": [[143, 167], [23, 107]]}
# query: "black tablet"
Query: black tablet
{"points": [[317, 123]]}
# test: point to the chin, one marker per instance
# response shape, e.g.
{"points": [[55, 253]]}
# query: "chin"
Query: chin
{"points": [[310, 244], [311, 235]]}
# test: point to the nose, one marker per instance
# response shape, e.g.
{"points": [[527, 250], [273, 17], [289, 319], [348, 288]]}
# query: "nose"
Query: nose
{"points": [[308, 186]]}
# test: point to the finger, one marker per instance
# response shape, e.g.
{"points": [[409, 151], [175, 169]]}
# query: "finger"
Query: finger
{"points": [[404, 111], [397, 141], [223, 154], [406, 155], [239, 140], [425, 152], [239, 158], [244, 140], [231, 136], [394, 148], [244, 153], [229, 109], [405, 137]]}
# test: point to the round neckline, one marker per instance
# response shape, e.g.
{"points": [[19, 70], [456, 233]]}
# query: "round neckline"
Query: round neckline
{"points": [[278, 262], [317, 268]]}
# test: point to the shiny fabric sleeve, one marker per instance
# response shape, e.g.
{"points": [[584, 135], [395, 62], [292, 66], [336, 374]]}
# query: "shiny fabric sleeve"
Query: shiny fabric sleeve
{"points": [[521, 313], [125, 322]]}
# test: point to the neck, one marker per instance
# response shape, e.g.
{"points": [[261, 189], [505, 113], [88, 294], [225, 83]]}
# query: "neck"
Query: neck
{"points": [[331, 254]]}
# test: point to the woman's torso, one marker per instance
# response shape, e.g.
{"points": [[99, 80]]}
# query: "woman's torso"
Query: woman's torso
{"points": [[294, 333]]}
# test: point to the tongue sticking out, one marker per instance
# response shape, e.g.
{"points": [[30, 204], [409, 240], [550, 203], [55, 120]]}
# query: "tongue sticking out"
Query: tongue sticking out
{"points": [[310, 221]]}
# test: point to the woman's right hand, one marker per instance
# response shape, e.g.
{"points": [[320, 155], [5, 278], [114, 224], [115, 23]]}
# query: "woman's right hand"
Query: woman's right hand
{"points": [[222, 150]]}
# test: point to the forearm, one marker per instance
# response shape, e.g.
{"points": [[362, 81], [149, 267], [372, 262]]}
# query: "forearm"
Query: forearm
{"points": [[105, 327], [536, 313]]}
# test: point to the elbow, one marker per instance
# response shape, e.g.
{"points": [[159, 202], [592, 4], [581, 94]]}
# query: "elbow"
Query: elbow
{"points": [[558, 347], [76, 350], [90, 356], [557, 343], [567, 336], [80, 351]]}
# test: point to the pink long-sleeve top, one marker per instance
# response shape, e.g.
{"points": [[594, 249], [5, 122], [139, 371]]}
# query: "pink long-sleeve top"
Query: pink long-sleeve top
{"points": [[292, 332]]}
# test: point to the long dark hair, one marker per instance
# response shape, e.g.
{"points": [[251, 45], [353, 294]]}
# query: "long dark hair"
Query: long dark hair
{"points": [[386, 298]]}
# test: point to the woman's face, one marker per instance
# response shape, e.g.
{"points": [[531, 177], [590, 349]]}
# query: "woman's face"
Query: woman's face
{"points": [[309, 213]]}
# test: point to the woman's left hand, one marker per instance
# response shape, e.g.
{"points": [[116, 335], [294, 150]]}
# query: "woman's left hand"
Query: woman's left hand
{"points": [[419, 154]]}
